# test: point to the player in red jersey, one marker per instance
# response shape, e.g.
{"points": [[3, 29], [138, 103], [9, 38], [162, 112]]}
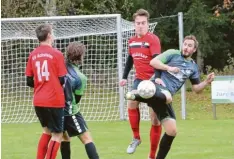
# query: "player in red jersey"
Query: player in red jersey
{"points": [[45, 72], [143, 47]]}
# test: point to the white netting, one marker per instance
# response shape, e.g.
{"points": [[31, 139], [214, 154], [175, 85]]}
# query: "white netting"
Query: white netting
{"points": [[98, 33]]}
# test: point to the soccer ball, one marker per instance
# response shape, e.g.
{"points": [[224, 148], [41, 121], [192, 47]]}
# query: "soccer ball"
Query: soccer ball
{"points": [[146, 89]]}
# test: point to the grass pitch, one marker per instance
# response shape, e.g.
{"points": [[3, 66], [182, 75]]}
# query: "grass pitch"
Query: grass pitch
{"points": [[196, 139], [199, 137]]}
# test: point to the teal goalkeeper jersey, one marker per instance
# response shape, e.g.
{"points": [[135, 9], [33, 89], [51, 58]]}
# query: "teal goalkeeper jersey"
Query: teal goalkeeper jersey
{"points": [[75, 84]]}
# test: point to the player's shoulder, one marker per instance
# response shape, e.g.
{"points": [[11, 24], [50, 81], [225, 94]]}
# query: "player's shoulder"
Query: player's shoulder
{"points": [[173, 52], [152, 36], [133, 38], [34, 52], [57, 53]]}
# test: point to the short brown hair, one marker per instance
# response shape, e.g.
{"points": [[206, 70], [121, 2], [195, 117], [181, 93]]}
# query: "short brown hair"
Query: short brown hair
{"points": [[141, 12], [75, 51], [42, 31], [192, 37]]}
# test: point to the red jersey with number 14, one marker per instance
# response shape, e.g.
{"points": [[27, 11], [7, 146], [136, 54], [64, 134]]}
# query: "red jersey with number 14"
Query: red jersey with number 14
{"points": [[46, 64], [142, 50]]}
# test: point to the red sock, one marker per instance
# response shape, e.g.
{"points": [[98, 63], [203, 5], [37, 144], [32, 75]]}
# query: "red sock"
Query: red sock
{"points": [[155, 134], [43, 145], [52, 150], [134, 120]]}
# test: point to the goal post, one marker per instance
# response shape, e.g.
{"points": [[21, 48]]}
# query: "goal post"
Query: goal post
{"points": [[105, 37]]}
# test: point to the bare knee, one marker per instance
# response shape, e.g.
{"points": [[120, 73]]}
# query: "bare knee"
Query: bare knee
{"points": [[170, 127], [57, 136], [85, 138], [46, 131], [168, 96], [171, 132], [133, 104]]}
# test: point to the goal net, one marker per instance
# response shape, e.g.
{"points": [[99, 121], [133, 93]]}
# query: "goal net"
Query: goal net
{"points": [[106, 38]]}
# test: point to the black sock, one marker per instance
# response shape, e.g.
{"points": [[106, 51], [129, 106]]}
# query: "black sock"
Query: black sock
{"points": [[165, 145], [65, 150], [91, 151]]}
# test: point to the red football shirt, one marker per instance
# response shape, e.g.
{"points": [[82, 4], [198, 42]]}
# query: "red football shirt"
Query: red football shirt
{"points": [[142, 50], [46, 64]]}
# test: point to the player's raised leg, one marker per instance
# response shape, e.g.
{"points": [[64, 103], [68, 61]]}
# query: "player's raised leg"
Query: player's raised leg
{"points": [[162, 95]]}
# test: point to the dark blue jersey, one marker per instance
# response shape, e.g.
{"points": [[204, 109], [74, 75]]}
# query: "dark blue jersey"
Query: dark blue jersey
{"points": [[188, 70], [75, 84]]}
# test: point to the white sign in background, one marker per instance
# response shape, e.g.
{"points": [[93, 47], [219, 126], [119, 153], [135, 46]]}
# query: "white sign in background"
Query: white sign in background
{"points": [[223, 90]]}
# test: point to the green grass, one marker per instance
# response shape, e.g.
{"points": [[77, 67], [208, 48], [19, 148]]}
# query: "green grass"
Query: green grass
{"points": [[199, 137], [196, 139]]}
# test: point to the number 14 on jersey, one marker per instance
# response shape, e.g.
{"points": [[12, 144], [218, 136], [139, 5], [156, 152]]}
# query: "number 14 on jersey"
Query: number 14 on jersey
{"points": [[42, 70]]}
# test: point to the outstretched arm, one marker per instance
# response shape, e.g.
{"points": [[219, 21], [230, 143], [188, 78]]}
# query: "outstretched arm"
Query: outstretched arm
{"points": [[199, 87]]}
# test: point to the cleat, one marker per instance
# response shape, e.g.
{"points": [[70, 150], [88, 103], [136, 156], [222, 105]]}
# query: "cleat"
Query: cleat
{"points": [[133, 145], [130, 96]]}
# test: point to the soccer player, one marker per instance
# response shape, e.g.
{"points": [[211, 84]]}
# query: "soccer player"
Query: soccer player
{"points": [[142, 48], [74, 123], [171, 81], [45, 72]]}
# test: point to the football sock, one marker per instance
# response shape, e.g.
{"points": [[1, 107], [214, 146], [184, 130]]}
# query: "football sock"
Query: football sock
{"points": [[91, 151], [155, 134], [134, 120], [43, 145], [165, 146], [65, 150], [52, 149]]}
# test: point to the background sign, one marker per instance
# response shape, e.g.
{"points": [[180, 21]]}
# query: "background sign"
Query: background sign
{"points": [[223, 89]]}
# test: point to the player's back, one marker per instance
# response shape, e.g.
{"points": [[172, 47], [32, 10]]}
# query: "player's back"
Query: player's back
{"points": [[75, 84], [47, 65]]}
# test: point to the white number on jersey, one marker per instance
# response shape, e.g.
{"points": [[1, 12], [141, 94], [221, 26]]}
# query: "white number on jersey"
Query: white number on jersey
{"points": [[42, 71]]}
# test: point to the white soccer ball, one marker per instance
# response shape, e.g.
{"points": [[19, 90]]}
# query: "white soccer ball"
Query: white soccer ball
{"points": [[146, 89]]}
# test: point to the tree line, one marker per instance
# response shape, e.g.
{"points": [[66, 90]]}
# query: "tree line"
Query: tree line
{"points": [[211, 21]]}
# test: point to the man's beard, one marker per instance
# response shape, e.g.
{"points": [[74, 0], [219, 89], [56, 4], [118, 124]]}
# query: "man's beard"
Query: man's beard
{"points": [[185, 56]]}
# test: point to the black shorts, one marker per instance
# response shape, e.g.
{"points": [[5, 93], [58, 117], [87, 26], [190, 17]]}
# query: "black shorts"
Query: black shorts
{"points": [[52, 118], [75, 124], [162, 109], [136, 82]]}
